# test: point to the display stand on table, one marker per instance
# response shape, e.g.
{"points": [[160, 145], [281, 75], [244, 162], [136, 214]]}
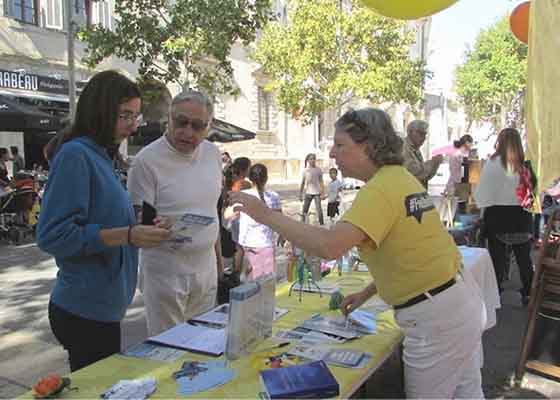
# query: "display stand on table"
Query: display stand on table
{"points": [[304, 278]]}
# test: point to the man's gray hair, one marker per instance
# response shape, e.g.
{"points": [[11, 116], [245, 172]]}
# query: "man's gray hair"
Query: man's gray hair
{"points": [[417, 125], [195, 96]]}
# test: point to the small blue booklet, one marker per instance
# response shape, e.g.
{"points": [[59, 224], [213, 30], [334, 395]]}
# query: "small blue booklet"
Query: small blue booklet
{"points": [[199, 376], [312, 380]]}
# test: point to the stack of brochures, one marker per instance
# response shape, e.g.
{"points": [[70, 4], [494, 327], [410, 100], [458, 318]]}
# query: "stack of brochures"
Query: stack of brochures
{"points": [[152, 351], [339, 357], [363, 321], [196, 338], [312, 380], [332, 326], [307, 336]]}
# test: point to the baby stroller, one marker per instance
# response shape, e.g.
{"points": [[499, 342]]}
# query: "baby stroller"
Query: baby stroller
{"points": [[14, 211]]}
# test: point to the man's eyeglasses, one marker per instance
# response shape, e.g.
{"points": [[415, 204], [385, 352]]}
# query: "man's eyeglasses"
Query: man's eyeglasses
{"points": [[131, 118], [197, 125]]}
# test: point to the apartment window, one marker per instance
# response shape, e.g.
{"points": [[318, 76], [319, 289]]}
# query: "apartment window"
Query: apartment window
{"points": [[265, 105], [22, 10], [101, 14], [53, 13]]}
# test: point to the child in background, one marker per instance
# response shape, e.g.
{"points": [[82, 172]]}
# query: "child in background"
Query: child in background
{"points": [[333, 191], [240, 169], [258, 240]]}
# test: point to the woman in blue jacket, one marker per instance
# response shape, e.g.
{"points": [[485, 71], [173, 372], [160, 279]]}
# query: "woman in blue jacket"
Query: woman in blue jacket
{"points": [[88, 224]]}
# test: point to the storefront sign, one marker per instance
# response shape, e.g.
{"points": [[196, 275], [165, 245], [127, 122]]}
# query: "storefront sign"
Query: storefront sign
{"points": [[34, 83]]}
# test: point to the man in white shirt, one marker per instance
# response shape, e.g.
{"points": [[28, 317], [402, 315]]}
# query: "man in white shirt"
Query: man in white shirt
{"points": [[180, 174]]}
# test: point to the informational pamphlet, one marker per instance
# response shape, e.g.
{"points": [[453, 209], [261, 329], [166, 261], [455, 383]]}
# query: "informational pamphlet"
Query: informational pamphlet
{"points": [[191, 337], [186, 227], [308, 337], [199, 376], [348, 358], [363, 321], [131, 389], [332, 326], [151, 351]]}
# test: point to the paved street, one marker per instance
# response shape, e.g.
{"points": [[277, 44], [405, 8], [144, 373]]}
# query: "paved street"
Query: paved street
{"points": [[28, 350]]}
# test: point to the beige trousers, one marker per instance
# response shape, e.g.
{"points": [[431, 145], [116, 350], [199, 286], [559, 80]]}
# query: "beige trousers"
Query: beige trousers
{"points": [[442, 344], [173, 297]]}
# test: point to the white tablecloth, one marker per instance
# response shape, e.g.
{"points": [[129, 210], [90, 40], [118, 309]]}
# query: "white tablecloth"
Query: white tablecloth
{"points": [[477, 261]]}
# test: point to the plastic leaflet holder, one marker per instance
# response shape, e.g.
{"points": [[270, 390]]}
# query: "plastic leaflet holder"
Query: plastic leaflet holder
{"points": [[251, 313]]}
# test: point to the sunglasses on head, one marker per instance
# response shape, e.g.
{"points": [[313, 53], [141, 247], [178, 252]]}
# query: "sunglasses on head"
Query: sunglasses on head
{"points": [[182, 122]]}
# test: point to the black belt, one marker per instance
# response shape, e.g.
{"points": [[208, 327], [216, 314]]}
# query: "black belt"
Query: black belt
{"points": [[422, 297]]}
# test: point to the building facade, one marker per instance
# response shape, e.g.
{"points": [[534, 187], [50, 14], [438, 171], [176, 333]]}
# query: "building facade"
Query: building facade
{"points": [[33, 69], [34, 59]]}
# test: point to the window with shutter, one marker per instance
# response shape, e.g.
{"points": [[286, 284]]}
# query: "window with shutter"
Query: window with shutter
{"points": [[22, 10], [53, 14], [79, 13], [101, 14], [264, 104]]}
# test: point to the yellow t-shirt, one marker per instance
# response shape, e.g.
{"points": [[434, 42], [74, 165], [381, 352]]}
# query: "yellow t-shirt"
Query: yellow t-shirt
{"points": [[410, 251]]}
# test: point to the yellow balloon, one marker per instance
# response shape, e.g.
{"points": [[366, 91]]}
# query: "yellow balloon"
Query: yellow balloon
{"points": [[407, 9]]}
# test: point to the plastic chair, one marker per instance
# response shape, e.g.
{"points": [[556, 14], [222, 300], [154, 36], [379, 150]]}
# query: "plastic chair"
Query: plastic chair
{"points": [[545, 299]]}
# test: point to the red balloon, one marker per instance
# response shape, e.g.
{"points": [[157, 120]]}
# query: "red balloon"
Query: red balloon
{"points": [[519, 22]]}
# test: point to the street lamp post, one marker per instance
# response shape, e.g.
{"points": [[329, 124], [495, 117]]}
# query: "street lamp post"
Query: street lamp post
{"points": [[71, 67]]}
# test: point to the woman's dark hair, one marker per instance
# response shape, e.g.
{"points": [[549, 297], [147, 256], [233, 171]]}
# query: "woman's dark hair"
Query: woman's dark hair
{"points": [[3, 151], [228, 177], [462, 141], [98, 107], [510, 149], [308, 157], [258, 174], [240, 165], [373, 127]]}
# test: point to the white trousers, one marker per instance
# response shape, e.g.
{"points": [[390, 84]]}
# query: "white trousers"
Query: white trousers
{"points": [[172, 297], [442, 343]]}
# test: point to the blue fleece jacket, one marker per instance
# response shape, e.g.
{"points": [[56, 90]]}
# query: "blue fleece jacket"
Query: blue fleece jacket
{"points": [[83, 195]]}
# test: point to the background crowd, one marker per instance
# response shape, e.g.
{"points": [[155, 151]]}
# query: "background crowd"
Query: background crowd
{"points": [[93, 225]]}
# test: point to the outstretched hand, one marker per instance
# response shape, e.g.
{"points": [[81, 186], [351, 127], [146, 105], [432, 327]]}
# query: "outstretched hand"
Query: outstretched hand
{"points": [[250, 205]]}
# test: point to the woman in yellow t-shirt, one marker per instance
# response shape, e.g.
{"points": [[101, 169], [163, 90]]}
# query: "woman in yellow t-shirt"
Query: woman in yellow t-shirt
{"points": [[413, 260]]}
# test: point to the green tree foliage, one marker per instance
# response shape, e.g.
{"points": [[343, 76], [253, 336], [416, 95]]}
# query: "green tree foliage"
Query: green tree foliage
{"points": [[182, 41], [493, 77], [325, 56]]}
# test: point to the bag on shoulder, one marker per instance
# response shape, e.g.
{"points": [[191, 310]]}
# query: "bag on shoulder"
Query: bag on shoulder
{"points": [[526, 188]]}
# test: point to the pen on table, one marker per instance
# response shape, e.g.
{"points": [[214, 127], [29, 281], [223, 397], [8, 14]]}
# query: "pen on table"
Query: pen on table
{"points": [[276, 346]]}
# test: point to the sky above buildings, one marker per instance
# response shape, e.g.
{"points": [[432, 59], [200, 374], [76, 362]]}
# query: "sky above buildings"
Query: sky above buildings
{"points": [[455, 28]]}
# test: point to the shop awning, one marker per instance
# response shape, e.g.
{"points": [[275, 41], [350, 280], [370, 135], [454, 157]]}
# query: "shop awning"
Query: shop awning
{"points": [[18, 117], [221, 131]]}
